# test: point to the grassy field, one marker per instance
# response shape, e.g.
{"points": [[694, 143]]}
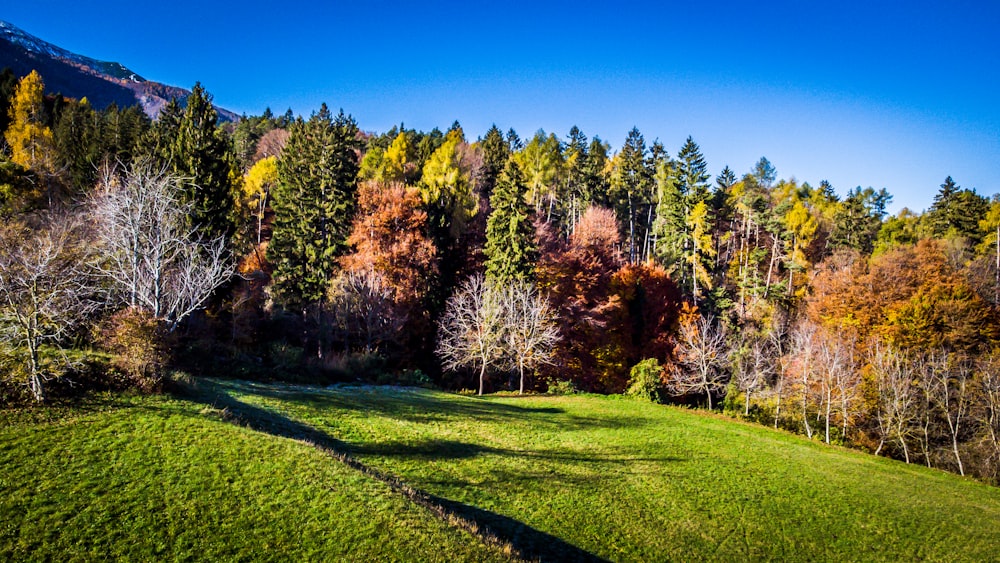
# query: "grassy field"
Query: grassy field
{"points": [[226, 473], [596, 477], [155, 478]]}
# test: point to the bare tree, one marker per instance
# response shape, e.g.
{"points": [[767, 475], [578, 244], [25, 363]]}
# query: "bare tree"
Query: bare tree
{"points": [[152, 260], [702, 356], [803, 350], [895, 410], [952, 384], [530, 331], [471, 330], [753, 366], [838, 378], [988, 412], [363, 309], [43, 290]]}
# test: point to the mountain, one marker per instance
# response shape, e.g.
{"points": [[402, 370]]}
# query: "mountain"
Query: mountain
{"points": [[78, 76]]}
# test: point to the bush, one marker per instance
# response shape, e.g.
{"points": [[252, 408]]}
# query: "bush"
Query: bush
{"points": [[561, 387], [644, 380], [138, 344]]}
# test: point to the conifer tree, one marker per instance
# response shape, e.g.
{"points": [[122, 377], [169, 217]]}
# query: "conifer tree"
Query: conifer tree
{"points": [[511, 249], [495, 152], [631, 192], [201, 154], [77, 142], [313, 205]]}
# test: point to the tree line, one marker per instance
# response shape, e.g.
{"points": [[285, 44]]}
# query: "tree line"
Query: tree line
{"points": [[304, 247]]}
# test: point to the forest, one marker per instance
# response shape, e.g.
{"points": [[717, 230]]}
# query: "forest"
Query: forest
{"points": [[305, 249]]}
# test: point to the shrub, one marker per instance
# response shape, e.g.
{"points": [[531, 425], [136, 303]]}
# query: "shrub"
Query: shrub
{"points": [[561, 387], [138, 344], [644, 380]]}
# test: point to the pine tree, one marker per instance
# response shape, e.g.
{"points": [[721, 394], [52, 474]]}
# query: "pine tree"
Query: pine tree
{"points": [[78, 144], [511, 249], [496, 153], [313, 205], [201, 154], [631, 193], [956, 212]]}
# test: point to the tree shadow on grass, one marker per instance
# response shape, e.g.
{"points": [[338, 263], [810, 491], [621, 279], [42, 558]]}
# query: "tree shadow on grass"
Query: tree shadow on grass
{"points": [[496, 529], [419, 406]]}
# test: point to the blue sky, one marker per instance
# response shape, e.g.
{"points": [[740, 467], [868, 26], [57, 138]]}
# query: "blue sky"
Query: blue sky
{"points": [[883, 94]]}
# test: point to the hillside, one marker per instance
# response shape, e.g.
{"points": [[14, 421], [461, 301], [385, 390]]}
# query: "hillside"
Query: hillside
{"points": [[576, 477], [78, 76]]}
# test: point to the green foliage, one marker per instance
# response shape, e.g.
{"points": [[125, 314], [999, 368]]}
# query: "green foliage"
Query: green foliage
{"points": [[858, 220], [496, 153], [511, 250], [644, 380], [313, 207], [956, 212], [446, 190]]}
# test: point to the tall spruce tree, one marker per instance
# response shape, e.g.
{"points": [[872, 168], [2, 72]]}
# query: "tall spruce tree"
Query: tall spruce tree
{"points": [[201, 154], [511, 250], [496, 153], [313, 206], [631, 193]]}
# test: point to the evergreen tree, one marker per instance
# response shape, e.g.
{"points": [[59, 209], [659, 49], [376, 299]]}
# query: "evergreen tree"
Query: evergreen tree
{"points": [[78, 144], [631, 192], [594, 173], [8, 83], [313, 205], [577, 188], [511, 249], [122, 133], [726, 179], [859, 218], [956, 212], [496, 153], [201, 154]]}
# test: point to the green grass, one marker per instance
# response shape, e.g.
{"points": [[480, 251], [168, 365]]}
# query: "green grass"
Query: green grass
{"points": [[156, 478], [625, 480], [578, 477]]}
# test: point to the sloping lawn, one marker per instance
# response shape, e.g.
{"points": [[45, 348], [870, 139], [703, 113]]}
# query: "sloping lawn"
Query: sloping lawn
{"points": [[584, 476], [155, 478]]}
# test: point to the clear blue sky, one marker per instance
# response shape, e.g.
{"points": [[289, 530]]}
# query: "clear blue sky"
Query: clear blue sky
{"points": [[883, 94]]}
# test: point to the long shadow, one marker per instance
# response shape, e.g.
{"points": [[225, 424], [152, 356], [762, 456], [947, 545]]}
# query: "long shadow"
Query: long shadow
{"points": [[417, 406], [496, 529]]}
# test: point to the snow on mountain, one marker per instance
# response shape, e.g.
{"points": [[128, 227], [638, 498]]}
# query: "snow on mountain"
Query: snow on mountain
{"points": [[74, 75]]}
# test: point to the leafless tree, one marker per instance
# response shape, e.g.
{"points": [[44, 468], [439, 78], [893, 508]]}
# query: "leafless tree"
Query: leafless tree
{"points": [[952, 384], [530, 331], [471, 330], [44, 292], [151, 258], [838, 378], [894, 382], [363, 309], [803, 350], [987, 413], [702, 358], [753, 367]]}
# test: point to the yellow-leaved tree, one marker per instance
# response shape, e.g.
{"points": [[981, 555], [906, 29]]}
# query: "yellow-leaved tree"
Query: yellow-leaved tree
{"points": [[30, 140], [260, 179]]}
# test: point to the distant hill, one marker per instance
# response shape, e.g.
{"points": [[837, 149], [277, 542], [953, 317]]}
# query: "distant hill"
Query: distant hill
{"points": [[78, 76]]}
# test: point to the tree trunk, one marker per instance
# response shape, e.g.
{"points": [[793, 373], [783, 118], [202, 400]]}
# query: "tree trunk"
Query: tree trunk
{"points": [[482, 376], [520, 369]]}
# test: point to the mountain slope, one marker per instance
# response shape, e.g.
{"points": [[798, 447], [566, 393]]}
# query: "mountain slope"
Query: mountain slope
{"points": [[78, 76]]}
